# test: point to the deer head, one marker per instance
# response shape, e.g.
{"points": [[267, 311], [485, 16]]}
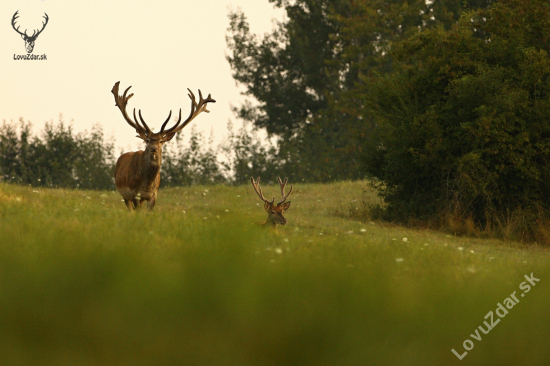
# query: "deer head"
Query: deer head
{"points": [[29, 40], [154, 141], [274, 211]]}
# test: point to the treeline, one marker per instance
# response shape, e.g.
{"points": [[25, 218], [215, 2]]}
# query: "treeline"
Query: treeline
{"points": [[58, 157], [308, 80], [443, 105]]}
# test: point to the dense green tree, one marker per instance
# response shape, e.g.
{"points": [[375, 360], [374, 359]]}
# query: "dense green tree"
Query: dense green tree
{"points": [[308, 75], [463, 122]]}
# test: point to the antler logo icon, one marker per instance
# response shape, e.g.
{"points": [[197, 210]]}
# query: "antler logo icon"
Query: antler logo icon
{"points": [[29, 40]]}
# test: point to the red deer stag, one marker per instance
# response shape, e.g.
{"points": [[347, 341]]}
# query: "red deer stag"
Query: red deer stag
{"points": [[274, 211], [137, 174]]}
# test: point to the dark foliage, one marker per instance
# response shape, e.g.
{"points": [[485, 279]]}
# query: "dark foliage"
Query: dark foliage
{"points": [[308, 75], [463, 120], [59, 158]]}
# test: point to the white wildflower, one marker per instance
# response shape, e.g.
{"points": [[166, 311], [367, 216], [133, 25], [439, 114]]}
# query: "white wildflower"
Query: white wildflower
{"points": [[363, 230], [279, 251], [460, 248], [405, 239], [398, 260]]}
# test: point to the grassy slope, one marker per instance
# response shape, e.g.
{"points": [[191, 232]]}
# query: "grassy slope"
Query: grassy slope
{"points": [[83, 282]]}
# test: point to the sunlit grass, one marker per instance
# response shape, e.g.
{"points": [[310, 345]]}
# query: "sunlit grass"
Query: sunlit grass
{"points": [[198, 281]]}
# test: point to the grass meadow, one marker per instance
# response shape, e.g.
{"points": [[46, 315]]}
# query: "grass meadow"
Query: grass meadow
{"points": [[199, 282]]}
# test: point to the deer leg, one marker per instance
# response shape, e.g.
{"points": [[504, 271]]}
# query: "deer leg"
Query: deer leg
{"points": [[151, 203], [136, 204], [129, 205]]}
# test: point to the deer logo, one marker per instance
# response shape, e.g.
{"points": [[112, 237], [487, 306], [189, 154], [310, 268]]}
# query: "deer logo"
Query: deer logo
{"points": [[29, 40]]}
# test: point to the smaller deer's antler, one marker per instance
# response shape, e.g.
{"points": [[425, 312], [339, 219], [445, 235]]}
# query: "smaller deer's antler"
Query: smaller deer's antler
{"points": [[258, 189], [283, 185]]}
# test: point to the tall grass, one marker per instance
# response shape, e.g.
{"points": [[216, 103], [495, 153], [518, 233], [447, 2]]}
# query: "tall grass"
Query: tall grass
{"points": [[198, 282]]}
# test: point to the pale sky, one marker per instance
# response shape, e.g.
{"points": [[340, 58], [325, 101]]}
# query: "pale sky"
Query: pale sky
{"points": [[160, 48]]}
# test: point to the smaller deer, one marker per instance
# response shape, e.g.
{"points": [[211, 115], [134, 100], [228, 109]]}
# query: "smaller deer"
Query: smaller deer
{"points": [[274, 212]]}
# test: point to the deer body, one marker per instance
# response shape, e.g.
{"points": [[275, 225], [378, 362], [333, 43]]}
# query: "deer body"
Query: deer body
{"points": [[137, 174], [137, 178]]}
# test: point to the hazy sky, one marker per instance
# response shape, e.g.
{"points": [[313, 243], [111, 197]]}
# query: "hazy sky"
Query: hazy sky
{"points": [[161, 48]]}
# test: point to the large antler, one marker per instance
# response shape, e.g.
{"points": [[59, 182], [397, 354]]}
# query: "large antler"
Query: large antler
{"points": [[258, 189], [121, 102], [196, 109], [283, 185]]}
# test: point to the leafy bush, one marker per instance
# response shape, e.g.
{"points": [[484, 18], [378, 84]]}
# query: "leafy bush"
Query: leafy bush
{"points": [[59, 158], [195, 164], [463, 124]]}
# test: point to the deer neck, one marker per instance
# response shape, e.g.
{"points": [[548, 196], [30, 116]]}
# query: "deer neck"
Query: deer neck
{"points": [[271, 221], [150, 167]]}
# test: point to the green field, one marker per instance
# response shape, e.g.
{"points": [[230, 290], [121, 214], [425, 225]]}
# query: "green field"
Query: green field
{"points": [[199, 282]]}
